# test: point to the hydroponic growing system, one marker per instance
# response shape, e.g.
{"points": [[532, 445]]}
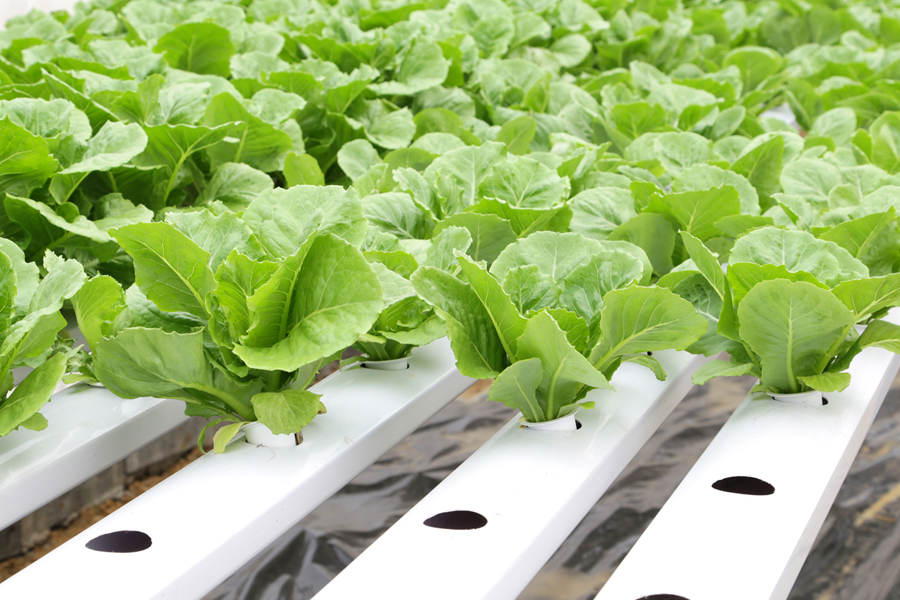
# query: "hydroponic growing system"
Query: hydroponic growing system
{"points": [[596, 204]]}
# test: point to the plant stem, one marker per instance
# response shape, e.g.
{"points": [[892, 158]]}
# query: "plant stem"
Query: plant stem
{"points": [[272, 381], [239, 408], [823, 362]]}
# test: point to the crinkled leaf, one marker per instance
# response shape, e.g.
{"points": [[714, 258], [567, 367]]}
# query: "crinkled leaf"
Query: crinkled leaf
{"points": [[203, 48], [516, 387], [279, 217], [792, 327], [31, 394], [869, 296], [170, 269], [565, 370], [476, 345], [99, 301], [311, 307], [25, 161], [287, 411], [721, 368], [638, 319]]}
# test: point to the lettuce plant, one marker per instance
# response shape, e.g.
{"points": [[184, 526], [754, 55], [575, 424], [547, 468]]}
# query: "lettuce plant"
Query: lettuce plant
{"points": [[789, 306], [554, 317], [30, 321], [236, 315], [407, 321], [497, 196]]}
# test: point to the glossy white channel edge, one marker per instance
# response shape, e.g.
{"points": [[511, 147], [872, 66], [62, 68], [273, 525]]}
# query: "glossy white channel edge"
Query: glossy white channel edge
{"points": [[89, 429], [218, 512], [533, 487], [707, 544]]}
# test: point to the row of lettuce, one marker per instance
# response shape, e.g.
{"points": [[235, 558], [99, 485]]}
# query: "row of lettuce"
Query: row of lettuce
{"points": [[231, 194]]}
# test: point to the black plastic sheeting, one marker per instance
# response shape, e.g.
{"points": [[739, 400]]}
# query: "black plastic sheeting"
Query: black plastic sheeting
{"points": [[857, 555]]}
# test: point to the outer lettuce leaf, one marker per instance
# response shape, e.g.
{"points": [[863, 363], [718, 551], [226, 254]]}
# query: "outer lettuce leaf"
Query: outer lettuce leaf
{"points": [[170, 269], [327, 304], [792, 327]]}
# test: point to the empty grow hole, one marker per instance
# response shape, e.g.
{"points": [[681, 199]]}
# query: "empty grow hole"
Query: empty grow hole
{"points": [[577, 424], [662, 597], [120, 542], [456, 519], [824, 401], [748, 486]]}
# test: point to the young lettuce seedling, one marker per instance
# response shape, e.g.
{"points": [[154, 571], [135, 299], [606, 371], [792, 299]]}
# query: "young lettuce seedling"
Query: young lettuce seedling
{"points": [[236, 315], [30, 320], [555, 317], [789, 306]]}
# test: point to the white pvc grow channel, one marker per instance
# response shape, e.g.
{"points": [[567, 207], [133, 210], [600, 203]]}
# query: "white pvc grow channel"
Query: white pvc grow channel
{"points": [[487, 529], [193, 530], [89, 430], [743, 521]]}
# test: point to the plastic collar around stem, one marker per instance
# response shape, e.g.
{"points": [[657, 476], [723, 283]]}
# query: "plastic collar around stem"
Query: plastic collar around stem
{"points": [[812, 398], [397, 364], [258, 434], [566, 423]]}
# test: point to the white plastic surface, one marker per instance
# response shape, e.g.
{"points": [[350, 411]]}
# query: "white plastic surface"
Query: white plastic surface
{"points": [[566, 423], [813, 398], [258, 434], [398, 364], [707, 544], [89, 430], [206, 520], [532, 486]]}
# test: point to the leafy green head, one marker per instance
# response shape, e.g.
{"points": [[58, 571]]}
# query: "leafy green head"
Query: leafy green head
{"points": [[407, 321], [30, 321], [562, 302], [236, 315], [789, 305]]}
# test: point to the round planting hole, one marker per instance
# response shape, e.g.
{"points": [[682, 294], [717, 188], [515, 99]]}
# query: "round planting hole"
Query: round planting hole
{"points": [[824, 401], [662, 597], [577, 424], [748, 486], [120, 541], [649, 353], [368, 366], [457, 519]]}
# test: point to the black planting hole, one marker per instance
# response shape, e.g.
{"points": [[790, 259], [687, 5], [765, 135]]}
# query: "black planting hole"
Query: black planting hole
{"points": [[748, 486], [577, 424], [824, 401], [662, 597], [120, 541], [649, 353], [366, 366], [456, 519]]}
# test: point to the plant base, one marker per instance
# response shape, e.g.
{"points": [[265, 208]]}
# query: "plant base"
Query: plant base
{"points": [[398, 364], [258, 434], [566, 423], [812, 398]]}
